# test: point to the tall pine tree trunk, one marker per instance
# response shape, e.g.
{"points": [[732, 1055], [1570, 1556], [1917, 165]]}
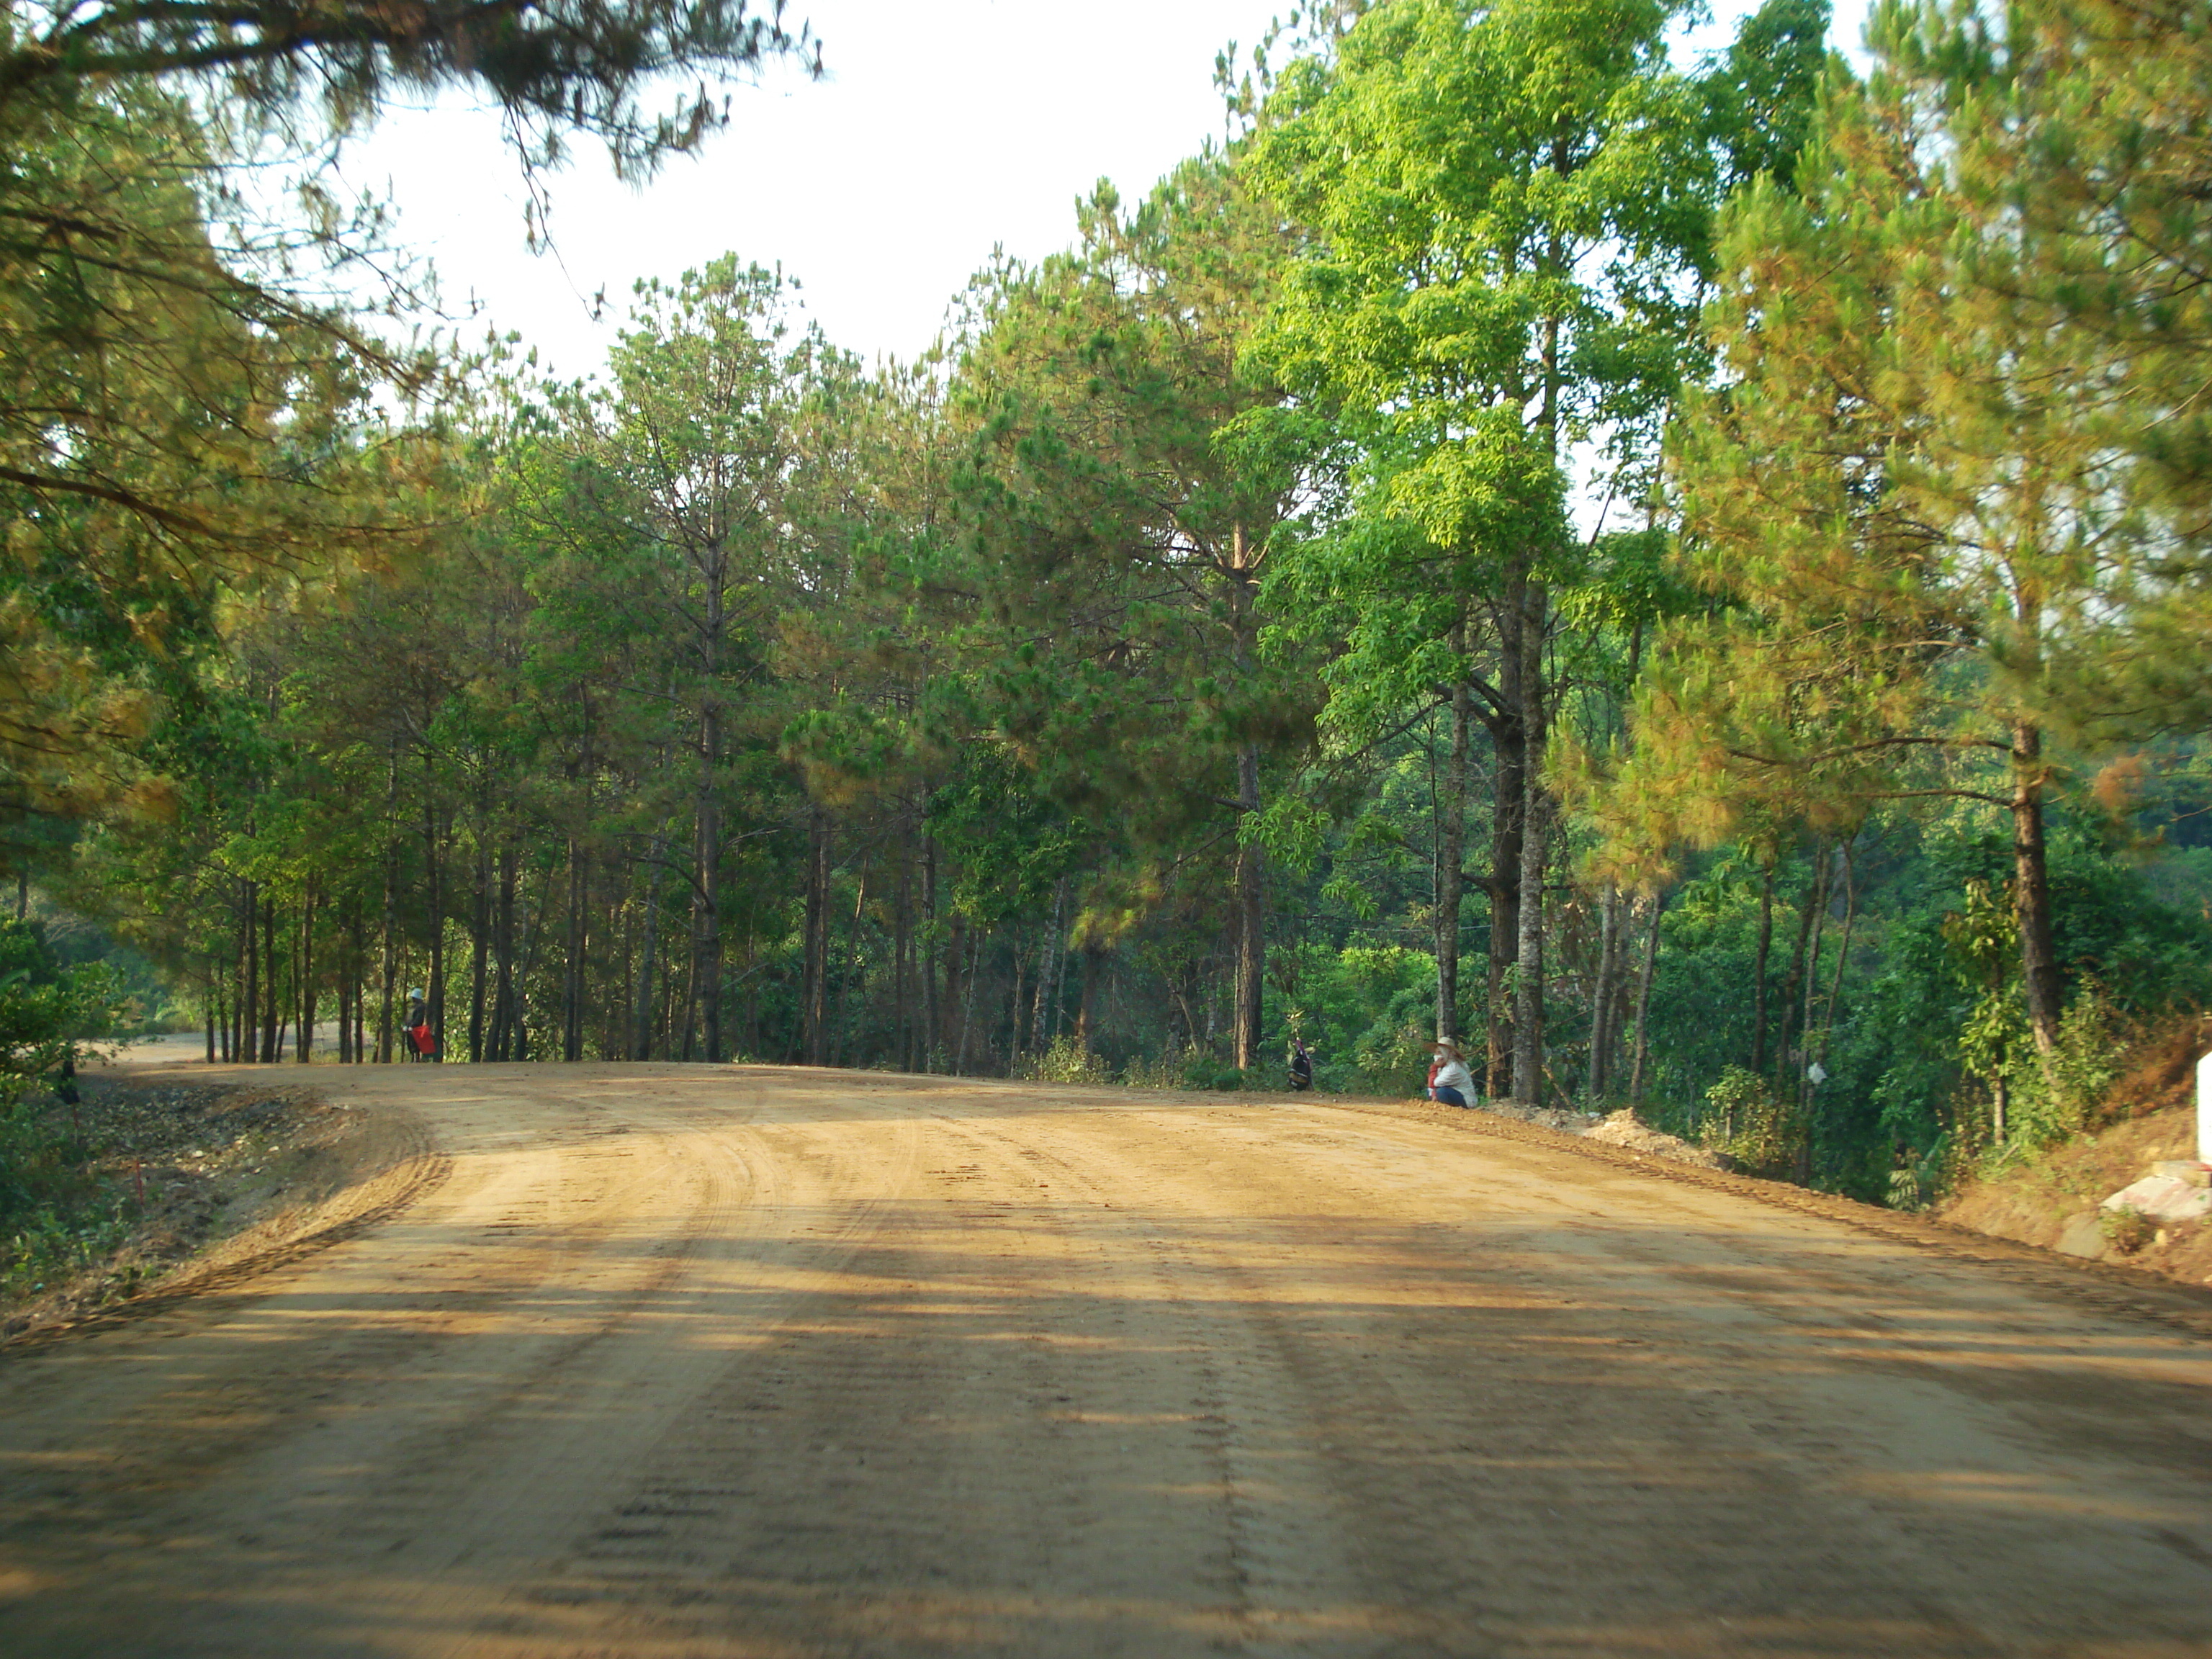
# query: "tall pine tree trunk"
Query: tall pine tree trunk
{"points": [[648, 952], [503, 993], [951, 1033], [479, 941], [1452, 857], [1251, 915], [925, 961], [391, 954], [572, 966], [304, 1049], [707, 890], [1509, 741], [1528, 987], [849, 982], [814, 998], [433, 896], [1759, 971], [273, 1003], [1640, 1061], [1787, 1059], [249, 990], [1601, 992], [2031, 887]]}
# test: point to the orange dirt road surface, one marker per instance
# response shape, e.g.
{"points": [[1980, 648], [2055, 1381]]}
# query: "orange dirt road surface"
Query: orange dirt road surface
{"points": [[663, 1360]]}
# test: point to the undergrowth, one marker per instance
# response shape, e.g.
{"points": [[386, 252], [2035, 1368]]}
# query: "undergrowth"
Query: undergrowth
{"points": [[58, 1214]]}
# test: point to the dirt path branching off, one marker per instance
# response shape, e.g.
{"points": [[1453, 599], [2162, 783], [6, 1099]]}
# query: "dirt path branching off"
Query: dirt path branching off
{"points": [[657, 1361]]}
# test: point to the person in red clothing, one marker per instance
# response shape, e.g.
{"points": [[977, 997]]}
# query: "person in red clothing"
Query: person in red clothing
{"points": [[1451, 1083]]}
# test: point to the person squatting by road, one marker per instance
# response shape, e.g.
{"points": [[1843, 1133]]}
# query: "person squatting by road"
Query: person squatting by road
{"points": [[1449, 1081]]}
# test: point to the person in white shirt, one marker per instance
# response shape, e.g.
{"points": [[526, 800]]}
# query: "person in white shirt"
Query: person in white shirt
{"points": [[1451, 1083]]}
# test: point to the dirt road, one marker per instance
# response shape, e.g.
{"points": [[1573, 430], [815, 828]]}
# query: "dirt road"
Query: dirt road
{"points": [[667, 1361]]}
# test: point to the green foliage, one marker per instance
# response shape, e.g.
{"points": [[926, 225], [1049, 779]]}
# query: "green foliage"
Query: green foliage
{"points": [[1762, 1132], [1167, 662], [2127, 1231], [1067, 1060], [2060, 1097], [48, 1014]]}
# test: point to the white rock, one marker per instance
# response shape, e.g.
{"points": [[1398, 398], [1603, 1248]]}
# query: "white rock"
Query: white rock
{"points": [[2163, 1198]]}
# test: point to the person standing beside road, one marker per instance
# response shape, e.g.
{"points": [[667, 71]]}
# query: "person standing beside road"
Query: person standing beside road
{"points": [[421, 1043], [1451, 1083]]}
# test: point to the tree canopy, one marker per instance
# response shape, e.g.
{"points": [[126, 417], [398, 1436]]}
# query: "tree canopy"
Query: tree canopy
{"points": [[1715, 539]]}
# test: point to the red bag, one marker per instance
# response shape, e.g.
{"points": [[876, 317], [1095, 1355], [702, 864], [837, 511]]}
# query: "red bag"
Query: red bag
{"points": [[420, 1036]]}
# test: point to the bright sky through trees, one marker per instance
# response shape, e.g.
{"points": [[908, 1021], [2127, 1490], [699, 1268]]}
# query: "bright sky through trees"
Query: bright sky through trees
{"points": [[943, 130]]}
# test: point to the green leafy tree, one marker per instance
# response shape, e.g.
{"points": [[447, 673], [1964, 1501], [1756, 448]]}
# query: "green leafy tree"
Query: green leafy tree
{"points": [[1506, 204]]}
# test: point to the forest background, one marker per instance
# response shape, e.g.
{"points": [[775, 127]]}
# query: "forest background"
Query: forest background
{"points": [[1684, 572]]}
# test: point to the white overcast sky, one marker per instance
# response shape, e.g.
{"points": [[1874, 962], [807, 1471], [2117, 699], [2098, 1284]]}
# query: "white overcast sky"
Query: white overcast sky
{"points": [[944, 128]]}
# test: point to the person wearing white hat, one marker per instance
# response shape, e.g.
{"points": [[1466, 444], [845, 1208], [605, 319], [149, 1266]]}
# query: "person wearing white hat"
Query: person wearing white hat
{"points": [[1451, 1083]]}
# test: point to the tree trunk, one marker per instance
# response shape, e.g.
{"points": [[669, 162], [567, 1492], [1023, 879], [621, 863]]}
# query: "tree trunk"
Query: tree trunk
{"points": [[903, 1024], [649, 950], [1844, 947], [2030, 887], [1813, 978], [249, 990], [707, 897], [433, 896], [814, 990], [1529, 988], [304, 1049], [360, 987], [532, 928], [1451, 858], [947, 1036], [976, 940], [503, 958], [1251, 916], [272, 1003], [1793, 982], [1509, 740], [355, 993], [391, 962], [572, 967], [1758, 972], [1086, 1017], [1602, 992], [849, 986], [1049, 967], [479, 941], [1638, 1066], [926, 960], [1789, 1057]]}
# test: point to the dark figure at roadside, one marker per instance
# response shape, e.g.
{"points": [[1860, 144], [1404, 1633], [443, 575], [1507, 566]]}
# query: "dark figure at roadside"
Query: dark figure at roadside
{"points": [[1301, 1065], [1451, 1083], [422, 1042]]}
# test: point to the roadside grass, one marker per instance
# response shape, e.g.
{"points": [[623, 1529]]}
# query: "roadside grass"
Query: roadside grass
{"points": [[102, 1199], [62, 1208]]}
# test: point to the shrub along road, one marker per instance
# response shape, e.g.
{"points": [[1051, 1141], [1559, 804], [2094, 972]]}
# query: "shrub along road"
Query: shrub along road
{"points": [[661, 1360]]}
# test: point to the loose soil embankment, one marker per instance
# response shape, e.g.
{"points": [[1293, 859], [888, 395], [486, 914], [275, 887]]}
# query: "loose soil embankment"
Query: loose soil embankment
{"points": [[2052, 1201], [204, 1184]]}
